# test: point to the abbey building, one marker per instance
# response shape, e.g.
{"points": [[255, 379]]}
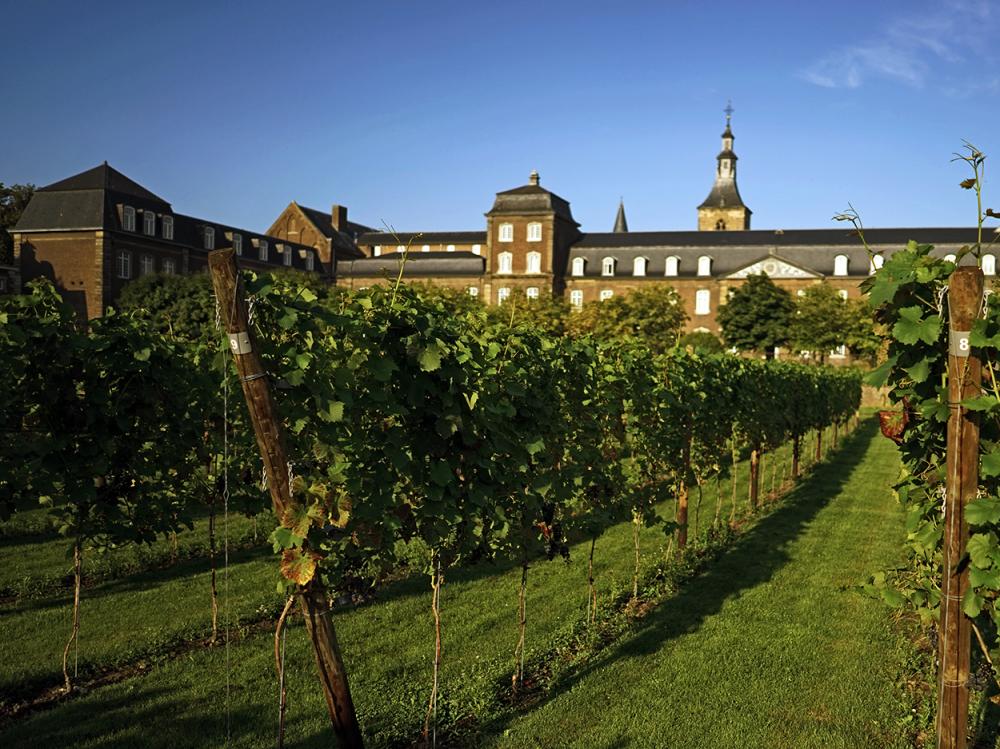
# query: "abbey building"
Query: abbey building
{"points": [[95, 231]]}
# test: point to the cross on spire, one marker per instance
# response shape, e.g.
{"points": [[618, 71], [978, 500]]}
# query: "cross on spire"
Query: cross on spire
{"points": [[729, 111]]}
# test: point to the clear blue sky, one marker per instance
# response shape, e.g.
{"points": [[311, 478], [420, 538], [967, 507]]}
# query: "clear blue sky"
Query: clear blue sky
{"points": [[416, 113]]}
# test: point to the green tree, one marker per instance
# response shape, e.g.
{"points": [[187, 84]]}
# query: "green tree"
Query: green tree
{"points": [[757, 317], [820, 323], [701, 342], [13, 200], [863, 340], [654, 315], [548, 313]]}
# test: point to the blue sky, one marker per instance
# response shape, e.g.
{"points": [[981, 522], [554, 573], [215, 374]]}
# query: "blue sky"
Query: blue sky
{"points": [[415, 114]]}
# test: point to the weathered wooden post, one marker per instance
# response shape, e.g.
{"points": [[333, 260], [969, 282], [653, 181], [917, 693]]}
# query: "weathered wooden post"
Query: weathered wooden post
{"points": [[270, 439], [965, 299]]}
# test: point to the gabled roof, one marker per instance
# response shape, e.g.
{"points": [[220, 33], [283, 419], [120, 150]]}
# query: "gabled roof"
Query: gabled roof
{"points": [[323, 222], [775, 266], [103, 177]]}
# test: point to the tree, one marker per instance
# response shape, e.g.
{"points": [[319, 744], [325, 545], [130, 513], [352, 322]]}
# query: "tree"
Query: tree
{"points": [[701, 342], [13, 200], [653, 315], [863, 340], [757, 316], [547, 313], [820, 323]]}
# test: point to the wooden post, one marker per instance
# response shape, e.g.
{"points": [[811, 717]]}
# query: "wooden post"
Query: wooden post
{"points": [[755, 476], [819, 444], [796, 449], [965, 299], [270, 439]]}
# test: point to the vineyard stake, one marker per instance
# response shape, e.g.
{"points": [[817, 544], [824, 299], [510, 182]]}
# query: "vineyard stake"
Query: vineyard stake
{"points": [[965, 298], [270, 439]]}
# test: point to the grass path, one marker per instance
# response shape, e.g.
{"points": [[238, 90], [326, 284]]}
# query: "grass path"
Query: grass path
{"points": [[771, 647]]}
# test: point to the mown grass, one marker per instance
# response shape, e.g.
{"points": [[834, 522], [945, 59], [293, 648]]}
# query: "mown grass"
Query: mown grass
{"points": [[388, 650]]}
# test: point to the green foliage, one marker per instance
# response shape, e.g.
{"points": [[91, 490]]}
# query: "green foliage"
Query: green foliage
{"points": [[820, 323], [654, 315], [13, 200], [701, 342], [757, 317]]}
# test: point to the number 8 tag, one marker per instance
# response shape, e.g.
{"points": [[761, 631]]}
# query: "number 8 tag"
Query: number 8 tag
{"points": [[958, 343]]}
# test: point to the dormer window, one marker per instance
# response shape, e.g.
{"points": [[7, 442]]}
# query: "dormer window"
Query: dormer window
{"points": [[608, 266], [149, 223], [128, 218], [376, 250], [840, 265], [286, 256], [400, 248], [425, 248], [639, 266], [506, 233], [168, 227], [534, 232], [672, 265], [876, 263], [579, 266], [238, 243], [505, 262], [262, 250], [476, 249], [704, 265], [209, 238], [451, 248], [534, 262], [989, 265]]}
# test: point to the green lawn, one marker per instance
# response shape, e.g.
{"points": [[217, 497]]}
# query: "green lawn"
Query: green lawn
{"points": [[387, 647], [771, 647]]}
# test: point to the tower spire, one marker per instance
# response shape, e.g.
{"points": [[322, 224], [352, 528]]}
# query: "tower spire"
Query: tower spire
{"points": [[724, 208], [621, 225]]}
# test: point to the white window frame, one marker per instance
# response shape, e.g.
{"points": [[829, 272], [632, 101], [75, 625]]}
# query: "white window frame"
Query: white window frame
{"points": [[639, 266], [989, 264], [169, 266], [503, 294], [425, 248], [286, 256], [149, 223], [531, 292], [841, 263], [705, 265], [606, 294], [168, 227], [263, 251], [608, 266], [310, 260], [128, 218], [535, 231], [876, 262], [505, 233], [672, 266], [123, 265], [477, 249], [400, 248], [534, 260], [505, 263], [450, 248], [376, 250], [238, 244], [703, 302], [576, 298], [147, 265], [579, 266], [209, 238], [473, 291]]}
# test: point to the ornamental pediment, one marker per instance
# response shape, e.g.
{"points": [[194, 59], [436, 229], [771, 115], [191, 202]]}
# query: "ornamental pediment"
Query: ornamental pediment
{"points": [[774, 267]]}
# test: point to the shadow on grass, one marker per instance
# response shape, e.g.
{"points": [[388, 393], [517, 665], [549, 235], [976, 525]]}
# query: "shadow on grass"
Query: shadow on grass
{"points": [[752, 561]]}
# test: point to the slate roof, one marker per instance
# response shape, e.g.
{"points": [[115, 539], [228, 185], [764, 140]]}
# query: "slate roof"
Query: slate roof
{"points": [[103, 177], [418, 238], [417, 265], [724, 194], [621, 225], [529, 199], [810, 249], [324, 222]]}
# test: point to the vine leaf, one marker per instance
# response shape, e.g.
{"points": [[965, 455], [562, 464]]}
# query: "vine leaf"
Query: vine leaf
{"points": [[982, 547], [299, 566], [912, 326], [990, 468], [972, 603]]}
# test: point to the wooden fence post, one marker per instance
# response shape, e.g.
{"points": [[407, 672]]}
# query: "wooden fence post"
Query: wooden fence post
{"points": [[965, 300], [270, 439], [683, 496], [796, 449]]}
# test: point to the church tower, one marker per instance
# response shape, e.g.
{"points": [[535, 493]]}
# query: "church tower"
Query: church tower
{"points": [[723, 209]]}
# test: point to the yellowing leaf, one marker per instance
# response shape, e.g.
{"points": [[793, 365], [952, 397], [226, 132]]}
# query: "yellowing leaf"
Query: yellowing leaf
{"points": [[299, 566]]}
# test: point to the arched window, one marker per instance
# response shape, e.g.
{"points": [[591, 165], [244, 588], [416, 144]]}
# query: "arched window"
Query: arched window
{"points": [[720, 225], [124, 264], [608, 266], [262, 250], [376, 250], [209, 238], [505, 262], [672, 265], [702, 302], [534, 262], [840, 265], [876, 263], [286, 255], [149, 223], [168, 227], [128, 218], [576, 298], [310, 261], [534, 232], [579, 266], [506, 233], [639, 266], [989, 265], [704, 265], [606, 294]]}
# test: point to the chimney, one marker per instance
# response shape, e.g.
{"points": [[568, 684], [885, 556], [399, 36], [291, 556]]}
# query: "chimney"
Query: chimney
{"points": [[338, 217], [533, 178]]}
